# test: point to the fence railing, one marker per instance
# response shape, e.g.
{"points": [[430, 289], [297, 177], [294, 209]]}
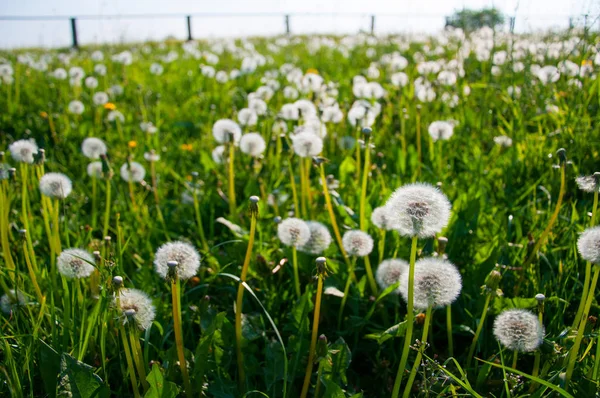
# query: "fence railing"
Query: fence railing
{"points": [[287, 19]]}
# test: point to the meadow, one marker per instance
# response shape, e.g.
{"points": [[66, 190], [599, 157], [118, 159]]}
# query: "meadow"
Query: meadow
{"points": [[357, 216]]}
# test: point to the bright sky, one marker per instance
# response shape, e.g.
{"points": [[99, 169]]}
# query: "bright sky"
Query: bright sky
{"points": [[416, 15]]}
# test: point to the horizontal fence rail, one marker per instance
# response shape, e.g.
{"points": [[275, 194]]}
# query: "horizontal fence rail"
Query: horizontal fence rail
{"points": [[286, 18]]}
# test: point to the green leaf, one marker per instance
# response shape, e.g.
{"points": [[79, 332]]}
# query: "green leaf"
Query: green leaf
{"points": [[394, 331], [159, 388], [505, 303], [332, 390], [347, 169], [340, 361], [79, 380], [49, 367]]}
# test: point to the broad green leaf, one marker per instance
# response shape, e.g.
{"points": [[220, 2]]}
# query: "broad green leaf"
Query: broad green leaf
{"points": [[332, 390], [79, 380], [49, 367], [159, 388]]}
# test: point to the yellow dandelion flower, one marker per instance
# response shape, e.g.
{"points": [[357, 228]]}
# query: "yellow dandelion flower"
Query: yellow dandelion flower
{"points": [[132, 144], [186, 147], [312, 70], [110, 106], [44, 114]]}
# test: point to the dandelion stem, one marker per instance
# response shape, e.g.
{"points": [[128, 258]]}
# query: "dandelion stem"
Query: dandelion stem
{"points": [[239, 304], [313, 339], [199, 222], [107, 210], [176, 300], [363, 210], [419, 155], [94, 202], [296, 275], [318, 386], [346, 293], [334, 225], [515, 359], [479, 328], [4, 226], [537, 356], [130, 367], [293, 185], [449, 330], [575, 349], [303, 195], [231, 176], [137, 356], [422, 348], [409, 319]]}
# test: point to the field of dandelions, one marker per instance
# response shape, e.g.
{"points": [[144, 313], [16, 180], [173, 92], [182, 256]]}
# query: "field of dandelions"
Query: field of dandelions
{"points": [[313, 216]]}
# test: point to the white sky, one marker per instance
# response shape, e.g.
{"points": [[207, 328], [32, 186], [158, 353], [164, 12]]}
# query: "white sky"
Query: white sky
{"points": [[416, 15]]}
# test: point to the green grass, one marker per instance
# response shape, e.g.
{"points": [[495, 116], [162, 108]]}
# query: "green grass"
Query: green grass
{"points": [[502, 198]]}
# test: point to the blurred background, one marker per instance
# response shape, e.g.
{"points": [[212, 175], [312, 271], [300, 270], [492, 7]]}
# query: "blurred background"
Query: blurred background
{"points": [[46, 23]]}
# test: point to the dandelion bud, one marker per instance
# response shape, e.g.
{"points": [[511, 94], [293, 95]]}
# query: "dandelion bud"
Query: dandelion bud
{"points": [[277, 219], [321, 347], [75, 263], [194, 174], [179, 258], [96, 255], [589, 245], [437, 283], [42, 158], [318, 160], [136, 307], [518, 330], [562, 155], [23, 232], [319, 240], [492, 281], [357, 243], [419, 210], [12, 172], [56, 185], [442, 242], [389, 272], [254, 199], [540, 297], [420, 319], [367, 132], [117, 282], [293, 232]]}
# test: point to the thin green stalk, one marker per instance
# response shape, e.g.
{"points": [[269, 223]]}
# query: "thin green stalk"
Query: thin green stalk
{"points": [[137, 356], [130, 367], [346, 293], [303, 194], [177, 328], [419, 155], [515, 359], [479, 328], [382, 245], [313, 339], [231, 177], [296, 275], [94, 202], [318, 386], [596, 372], [294, 190], [107, 210], [199, 221], [575, 349], [363, 210], [422, 348], [538, 354], [240, 300], [409, 319], [449, 330]]}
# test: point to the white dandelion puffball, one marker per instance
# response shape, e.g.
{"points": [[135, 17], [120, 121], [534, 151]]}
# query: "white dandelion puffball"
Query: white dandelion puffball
{"points": [[519, 330], [218, 154], [136, 306], [319, 240], [588, 245], [91, 82], [115, 115], [23, 150], [399, 79], [252, 144], [247, 117], [503, 141], [226, 129], [100, 98], [151, 156], [75, 263], [76, 107], [93, 148], [389, 272], [289, 112], [184, 254], [381, 218], [587, 183], [156, 69], [307, 144], [418, 210], [132, 172], [357, 243], [293, 232], [437, 283], [10, 303], [94, 170], [441, 130], [56, 185]]}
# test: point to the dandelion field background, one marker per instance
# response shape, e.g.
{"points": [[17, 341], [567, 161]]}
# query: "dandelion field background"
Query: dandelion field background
{"points": [[501, 124]]}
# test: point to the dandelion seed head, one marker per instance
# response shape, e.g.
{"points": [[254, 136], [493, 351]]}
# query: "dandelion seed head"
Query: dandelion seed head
{"points": [[307, 144], [9, 303], [518, 330], [418, 210], [441, 130], [76, 107], [289, 112], [389, 272], [252, 144], [56, 185], [23, 150], [137, 307], [184, 254], [588, 245], [225, 129], [381, 218], [588, 183], [100, 98], [437, 283], [75, 263], [293, 232], [357, 243], [115, 115], [93, 148], [319, 240], [132, 172], [247, 117], [503, 141], [94, 170], [218, 154]]}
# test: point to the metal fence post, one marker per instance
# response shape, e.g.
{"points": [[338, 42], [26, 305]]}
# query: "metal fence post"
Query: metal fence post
{"points": [[74, 32], [372, 24], [287, 24], [189, 27]]}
